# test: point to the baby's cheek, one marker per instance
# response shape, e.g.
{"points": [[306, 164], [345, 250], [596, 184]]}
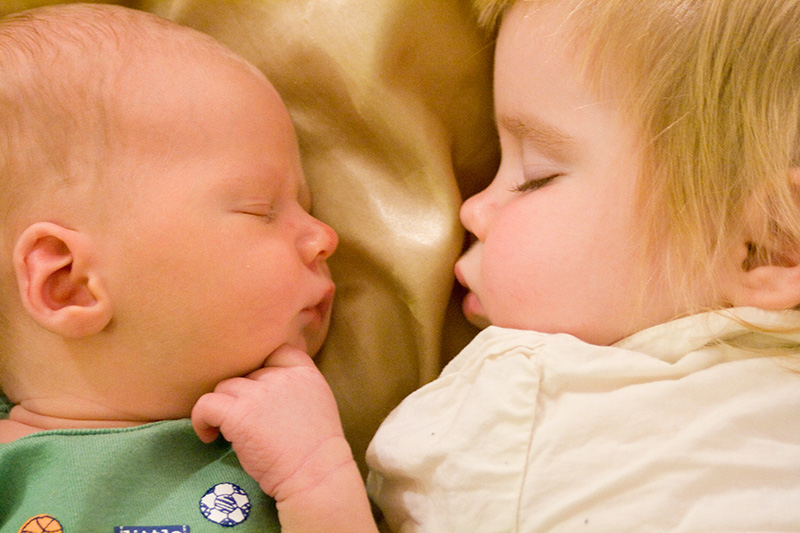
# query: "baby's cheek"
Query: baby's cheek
{"points": [[519, 278], [501, 290]]}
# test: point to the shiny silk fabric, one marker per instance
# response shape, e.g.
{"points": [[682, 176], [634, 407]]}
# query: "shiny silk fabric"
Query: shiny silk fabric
{"points": [[391, 100]]}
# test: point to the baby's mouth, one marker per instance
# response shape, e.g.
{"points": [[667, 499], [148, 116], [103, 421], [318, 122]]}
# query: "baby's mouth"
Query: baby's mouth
{"points": [[471, 305], [473, 310], [323, 307]]}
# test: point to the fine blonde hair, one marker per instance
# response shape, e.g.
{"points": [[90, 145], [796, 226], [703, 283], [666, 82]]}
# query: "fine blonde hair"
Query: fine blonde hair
{"points": [[714, 88]]}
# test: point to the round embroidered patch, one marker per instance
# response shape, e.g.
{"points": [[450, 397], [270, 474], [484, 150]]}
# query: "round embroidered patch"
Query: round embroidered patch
{"points": [[225, 504], [42, 523]]}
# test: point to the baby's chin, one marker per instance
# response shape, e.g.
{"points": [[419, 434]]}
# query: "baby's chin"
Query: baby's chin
{"points": [[480, 322], [311, 339]]}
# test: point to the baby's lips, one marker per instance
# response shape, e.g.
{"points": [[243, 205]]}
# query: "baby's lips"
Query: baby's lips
{"points": [[473, 310], [326, 302], [321, 309], [471, 305], [459, 273], [468, 262]]}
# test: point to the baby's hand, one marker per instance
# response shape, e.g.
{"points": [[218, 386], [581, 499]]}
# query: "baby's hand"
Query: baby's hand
{"points": [[282, 421]]}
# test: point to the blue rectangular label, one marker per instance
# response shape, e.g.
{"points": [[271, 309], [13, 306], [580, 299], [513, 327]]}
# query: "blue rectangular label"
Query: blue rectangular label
{"points": [[152, 529]]}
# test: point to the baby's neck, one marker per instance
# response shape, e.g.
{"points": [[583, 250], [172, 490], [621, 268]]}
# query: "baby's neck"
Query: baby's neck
{"points": [[21, 422], [11, 430]]}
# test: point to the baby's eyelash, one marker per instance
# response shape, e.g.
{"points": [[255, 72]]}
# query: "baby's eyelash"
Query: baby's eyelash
{"points": [[267, 214], [271, 214], [534, 184]]}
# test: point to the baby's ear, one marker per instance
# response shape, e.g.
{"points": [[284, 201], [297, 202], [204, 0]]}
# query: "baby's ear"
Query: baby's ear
{"points": [[768, 273], [59, 283]]}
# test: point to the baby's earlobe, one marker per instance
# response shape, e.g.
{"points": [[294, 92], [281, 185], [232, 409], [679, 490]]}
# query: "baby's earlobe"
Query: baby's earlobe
{"points": [[59, 286], [767, 254], [765, 279]]}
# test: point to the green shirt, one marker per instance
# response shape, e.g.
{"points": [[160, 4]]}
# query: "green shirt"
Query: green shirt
{"points": [[155, 478]]}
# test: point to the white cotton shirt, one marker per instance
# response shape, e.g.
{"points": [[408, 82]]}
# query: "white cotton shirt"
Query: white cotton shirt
{"points": [[668, 430]]}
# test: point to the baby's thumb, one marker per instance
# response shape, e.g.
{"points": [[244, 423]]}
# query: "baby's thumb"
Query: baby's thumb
{"points": [[208, 414]]}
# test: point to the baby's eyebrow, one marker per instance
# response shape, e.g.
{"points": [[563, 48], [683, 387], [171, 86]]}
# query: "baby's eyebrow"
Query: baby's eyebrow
{"points": [[551, 140]]}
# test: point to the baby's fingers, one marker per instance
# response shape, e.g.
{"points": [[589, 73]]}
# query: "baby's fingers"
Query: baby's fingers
{"points": [[284, 359], [208, 414]]}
